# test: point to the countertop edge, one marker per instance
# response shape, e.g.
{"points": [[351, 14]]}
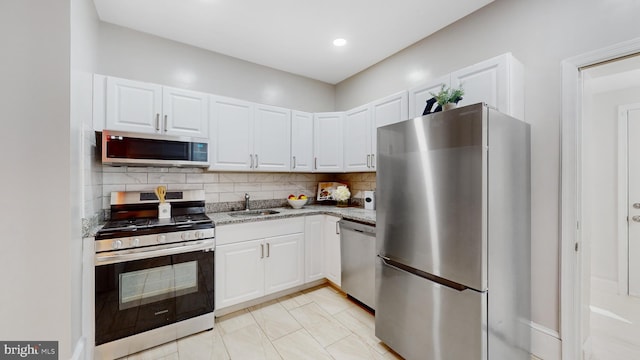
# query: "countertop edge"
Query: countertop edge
{"points": [[223, 218]]}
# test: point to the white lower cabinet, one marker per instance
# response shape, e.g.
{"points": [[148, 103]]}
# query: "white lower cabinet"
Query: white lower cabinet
{"points": [[314, 248], [239, 273], [284, 262], [257, 259], [332, 264], [261, 258]]}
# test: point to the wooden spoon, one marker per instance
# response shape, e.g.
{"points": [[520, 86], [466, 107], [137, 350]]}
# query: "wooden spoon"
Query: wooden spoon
{"points": [[161, 192]]}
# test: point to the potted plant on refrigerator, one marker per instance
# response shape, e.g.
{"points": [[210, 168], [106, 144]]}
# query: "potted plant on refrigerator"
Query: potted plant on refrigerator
{"points": [[448, 97]]}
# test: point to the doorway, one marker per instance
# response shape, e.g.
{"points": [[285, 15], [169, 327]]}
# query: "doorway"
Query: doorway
{"points": [[609, 201]]}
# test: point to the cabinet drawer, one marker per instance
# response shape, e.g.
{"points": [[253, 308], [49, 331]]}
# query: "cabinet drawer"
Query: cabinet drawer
{"points": [[233, 233]]}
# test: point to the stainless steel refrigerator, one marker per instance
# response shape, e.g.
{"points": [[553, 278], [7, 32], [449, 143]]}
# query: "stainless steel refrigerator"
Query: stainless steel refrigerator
{"points": [[453, 236]]}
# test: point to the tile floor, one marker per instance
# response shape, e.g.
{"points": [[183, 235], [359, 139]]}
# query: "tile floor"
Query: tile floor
{"points": [[319, 323]]}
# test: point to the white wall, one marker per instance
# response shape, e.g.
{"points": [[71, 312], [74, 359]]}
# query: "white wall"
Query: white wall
{"points": [[85, 182], [134, 55], [540, 34], [36, 258]]}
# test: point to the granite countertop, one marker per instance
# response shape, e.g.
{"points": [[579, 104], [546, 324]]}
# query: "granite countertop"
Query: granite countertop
{"points": [[222, 218], [349, 213]]}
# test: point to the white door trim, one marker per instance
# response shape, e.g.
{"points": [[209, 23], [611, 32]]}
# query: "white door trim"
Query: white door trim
{"points": [[570, 277]]}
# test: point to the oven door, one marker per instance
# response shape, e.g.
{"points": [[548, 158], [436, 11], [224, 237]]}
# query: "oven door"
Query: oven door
{"points": [[143, 290]]}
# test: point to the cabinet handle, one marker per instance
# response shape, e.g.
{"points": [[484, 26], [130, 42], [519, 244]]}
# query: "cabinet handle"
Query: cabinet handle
{"points": [[294, 162], [368, 160], [251, 157], [337, 228], [373, 160], [157, 122], [261, 251], [165, 123], [268, 247], [315, 163], [257, 162]]}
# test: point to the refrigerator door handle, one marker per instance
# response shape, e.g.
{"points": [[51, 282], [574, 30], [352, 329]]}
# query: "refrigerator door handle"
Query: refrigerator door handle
{"points": [[408, 269]]}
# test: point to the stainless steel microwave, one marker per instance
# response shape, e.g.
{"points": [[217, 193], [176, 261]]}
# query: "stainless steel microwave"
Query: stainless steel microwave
{"points": [[134, 149]]}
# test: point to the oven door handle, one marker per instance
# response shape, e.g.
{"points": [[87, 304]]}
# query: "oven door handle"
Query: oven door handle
{"points": [[139, 254]]}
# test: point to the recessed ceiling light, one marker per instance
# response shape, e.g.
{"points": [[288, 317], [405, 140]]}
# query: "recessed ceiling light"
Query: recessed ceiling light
{"points": [[339, 42]]}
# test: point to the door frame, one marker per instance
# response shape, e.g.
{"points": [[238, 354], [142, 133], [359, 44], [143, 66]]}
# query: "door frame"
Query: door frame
{"points": [[570, 199]]}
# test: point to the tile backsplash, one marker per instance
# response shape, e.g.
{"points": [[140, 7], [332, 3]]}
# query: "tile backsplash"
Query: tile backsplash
{"points": [[226, 187]]}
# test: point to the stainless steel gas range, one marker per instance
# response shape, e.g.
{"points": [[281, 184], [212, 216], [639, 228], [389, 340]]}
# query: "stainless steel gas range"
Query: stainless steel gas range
{"points": [[153, 277]]}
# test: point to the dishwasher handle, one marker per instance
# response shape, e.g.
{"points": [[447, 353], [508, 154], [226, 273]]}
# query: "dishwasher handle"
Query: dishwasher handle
{"points": [[358, 227]]}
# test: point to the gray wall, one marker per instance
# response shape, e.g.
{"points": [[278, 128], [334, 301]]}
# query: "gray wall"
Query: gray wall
{"points": [[84, 184], [540, 34], [37, 259], [134, 55]]}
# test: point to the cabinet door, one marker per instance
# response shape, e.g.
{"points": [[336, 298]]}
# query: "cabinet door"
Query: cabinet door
{"points": [[498, 82], [133, 106], [328, 141], [314, 248], [388, 110], [357, 139], [239, 273], [284, 262], [301, 141], [486, 81], [419, 95], [231, 134], [272, 140], [332, 265], [186, 113]]}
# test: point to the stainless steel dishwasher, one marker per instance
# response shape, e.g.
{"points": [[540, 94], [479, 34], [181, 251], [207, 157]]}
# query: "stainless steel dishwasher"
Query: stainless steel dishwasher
{"points": [[358, 255]]}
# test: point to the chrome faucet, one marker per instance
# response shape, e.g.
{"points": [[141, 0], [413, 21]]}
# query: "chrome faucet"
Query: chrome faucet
{"points": [[246, 202]]}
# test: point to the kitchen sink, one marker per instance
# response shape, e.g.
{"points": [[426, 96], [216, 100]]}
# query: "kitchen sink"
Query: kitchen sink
{"points": [[254, 212]]}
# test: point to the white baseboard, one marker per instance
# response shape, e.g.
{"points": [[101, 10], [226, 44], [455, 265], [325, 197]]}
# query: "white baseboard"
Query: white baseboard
{"points": [[545, 343], [79, 350]]}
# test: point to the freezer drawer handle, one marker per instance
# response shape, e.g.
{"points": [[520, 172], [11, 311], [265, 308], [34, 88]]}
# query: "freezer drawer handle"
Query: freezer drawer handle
{"points": [[422, 274]]}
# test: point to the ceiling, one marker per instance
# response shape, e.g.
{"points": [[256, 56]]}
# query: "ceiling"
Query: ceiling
{"points": [[292, 35]]}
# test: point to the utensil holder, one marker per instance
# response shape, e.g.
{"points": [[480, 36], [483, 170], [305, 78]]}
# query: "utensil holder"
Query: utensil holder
{"points": [[164, 210]]}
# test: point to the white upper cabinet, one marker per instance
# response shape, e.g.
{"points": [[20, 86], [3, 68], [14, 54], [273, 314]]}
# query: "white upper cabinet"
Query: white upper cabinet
{"points": [[141, 107], [249, 137], [186, 113], [133, 106], [419, 95], [497, 82], [328, 140], [231, 134], [272, 142], [358, 139], [301, 141], [388, 110]]}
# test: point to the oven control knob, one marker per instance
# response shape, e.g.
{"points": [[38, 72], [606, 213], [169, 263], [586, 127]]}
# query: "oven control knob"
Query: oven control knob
{"points": [[116, 244], [199, 235], [162, 238], [135, 242], [185, 236]]}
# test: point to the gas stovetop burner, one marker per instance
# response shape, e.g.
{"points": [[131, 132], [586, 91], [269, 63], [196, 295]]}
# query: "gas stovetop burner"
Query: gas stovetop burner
{"points": [[135, 214]]}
